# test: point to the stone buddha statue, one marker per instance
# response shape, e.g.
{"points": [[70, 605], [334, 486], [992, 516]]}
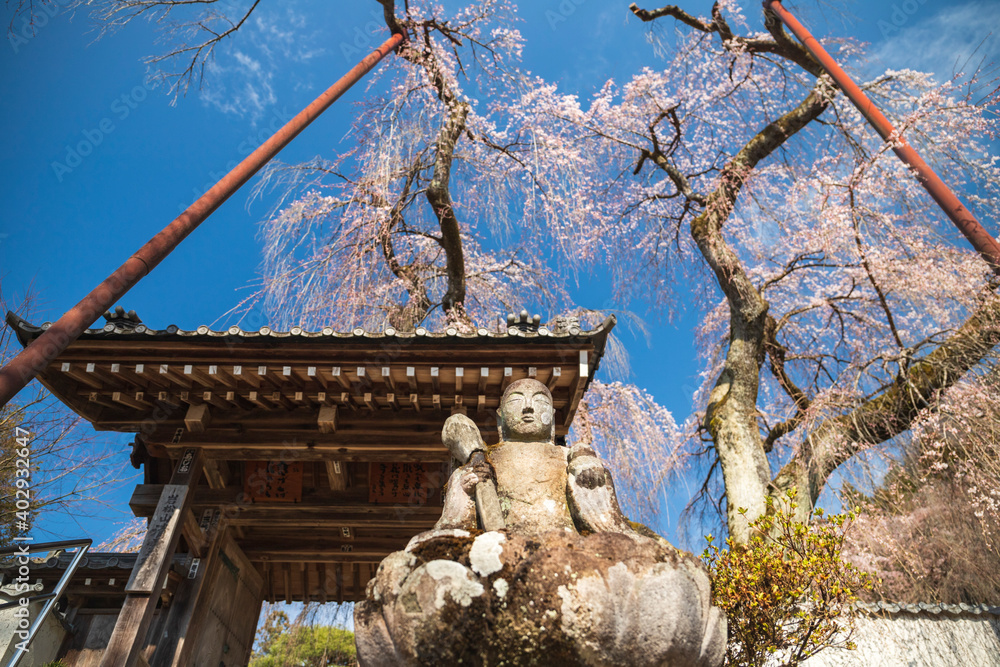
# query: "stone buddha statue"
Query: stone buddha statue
{"points": [[533, 563], [541, 486]]}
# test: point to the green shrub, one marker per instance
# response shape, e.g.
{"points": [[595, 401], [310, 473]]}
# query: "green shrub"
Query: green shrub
{"points": [[308, 646], [787, 593]]}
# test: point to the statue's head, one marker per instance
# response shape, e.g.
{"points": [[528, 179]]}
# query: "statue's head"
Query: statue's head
{"points": [[526, 413]]}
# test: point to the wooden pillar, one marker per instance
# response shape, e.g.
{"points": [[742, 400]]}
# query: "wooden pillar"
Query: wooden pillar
{"points": [[148, 574], [179, 633]]}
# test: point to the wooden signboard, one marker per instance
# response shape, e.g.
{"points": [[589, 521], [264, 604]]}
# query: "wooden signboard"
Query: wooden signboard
{"points": [[274, 481], [405, 483], [157, 545]]}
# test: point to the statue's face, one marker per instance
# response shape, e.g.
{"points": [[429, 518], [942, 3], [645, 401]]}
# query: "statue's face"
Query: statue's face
{"points": [[526, 412]]}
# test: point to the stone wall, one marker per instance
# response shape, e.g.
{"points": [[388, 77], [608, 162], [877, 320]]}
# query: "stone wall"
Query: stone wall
{"points": [[924, 635], [45, 645]]}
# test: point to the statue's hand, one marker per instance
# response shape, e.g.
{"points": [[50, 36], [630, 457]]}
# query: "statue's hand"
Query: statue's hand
{"points": [[483, 469], [469, 481], [591, 478], [586, 468], [476, 473]]}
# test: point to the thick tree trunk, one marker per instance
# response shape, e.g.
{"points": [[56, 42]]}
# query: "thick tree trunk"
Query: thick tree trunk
{"points": [[440, 200], [731, 415]]}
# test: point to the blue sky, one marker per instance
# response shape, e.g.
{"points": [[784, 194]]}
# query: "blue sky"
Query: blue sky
{"points": [[71, 218]]}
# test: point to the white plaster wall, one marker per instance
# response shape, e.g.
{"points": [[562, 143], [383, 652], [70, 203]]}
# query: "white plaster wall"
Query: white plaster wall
{"points": [[908, 640], [44, 646]]}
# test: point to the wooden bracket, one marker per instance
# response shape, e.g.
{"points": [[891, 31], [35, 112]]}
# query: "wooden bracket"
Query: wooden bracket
{"points": [[198, 418], [327, 419]]}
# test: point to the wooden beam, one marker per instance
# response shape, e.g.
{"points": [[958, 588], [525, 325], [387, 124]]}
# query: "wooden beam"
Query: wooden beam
{"points": [[244, 373], [179, 634], [387, 378], [363, 380], [171, 373], [74, 371], [412, 386], [193, 372], [340, 377], [322, 553], [218, 374], [131, 400], [577, 387], [122, 374], [217, 473], [144, 586], [193, 535], [216, 398], [302, 452], [554, 378], [319, 509]]}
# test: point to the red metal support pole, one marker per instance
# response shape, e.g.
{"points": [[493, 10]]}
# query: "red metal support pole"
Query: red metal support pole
{"points": [[40, 353], [980, 239]]}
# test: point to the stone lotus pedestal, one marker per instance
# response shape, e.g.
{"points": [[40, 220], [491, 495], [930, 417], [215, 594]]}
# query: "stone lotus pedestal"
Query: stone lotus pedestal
{"points": [[558, 598]]}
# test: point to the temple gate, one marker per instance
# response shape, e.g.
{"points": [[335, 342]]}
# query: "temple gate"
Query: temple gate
{"points": [[279, 466]]}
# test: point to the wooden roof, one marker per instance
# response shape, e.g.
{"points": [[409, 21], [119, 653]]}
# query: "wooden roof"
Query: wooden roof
{"points": [[356, 415]]}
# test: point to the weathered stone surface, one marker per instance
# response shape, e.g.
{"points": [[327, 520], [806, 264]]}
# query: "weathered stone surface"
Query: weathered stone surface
{"points": [[557, 598], [531, 483]]}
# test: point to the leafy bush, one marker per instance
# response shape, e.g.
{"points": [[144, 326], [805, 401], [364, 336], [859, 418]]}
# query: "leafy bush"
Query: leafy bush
{"points": [[308, 646], [787, 593]]}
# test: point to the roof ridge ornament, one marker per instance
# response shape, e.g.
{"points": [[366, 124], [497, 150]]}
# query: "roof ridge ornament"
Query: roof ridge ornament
{"points": [[522, 323], [567, 324], [120, 319]]}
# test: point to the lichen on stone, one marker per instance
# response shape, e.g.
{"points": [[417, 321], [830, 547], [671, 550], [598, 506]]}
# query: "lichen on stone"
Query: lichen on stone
{"points": [[485, 553], [461, 587]]}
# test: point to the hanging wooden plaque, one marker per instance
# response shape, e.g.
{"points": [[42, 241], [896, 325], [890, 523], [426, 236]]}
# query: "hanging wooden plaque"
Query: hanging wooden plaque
{"points": [[274, 481], [405, 483]]}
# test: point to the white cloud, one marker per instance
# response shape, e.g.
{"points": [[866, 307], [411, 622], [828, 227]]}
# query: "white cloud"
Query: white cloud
{"points": [[242, 80], [943, 41], [240, 84]]}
